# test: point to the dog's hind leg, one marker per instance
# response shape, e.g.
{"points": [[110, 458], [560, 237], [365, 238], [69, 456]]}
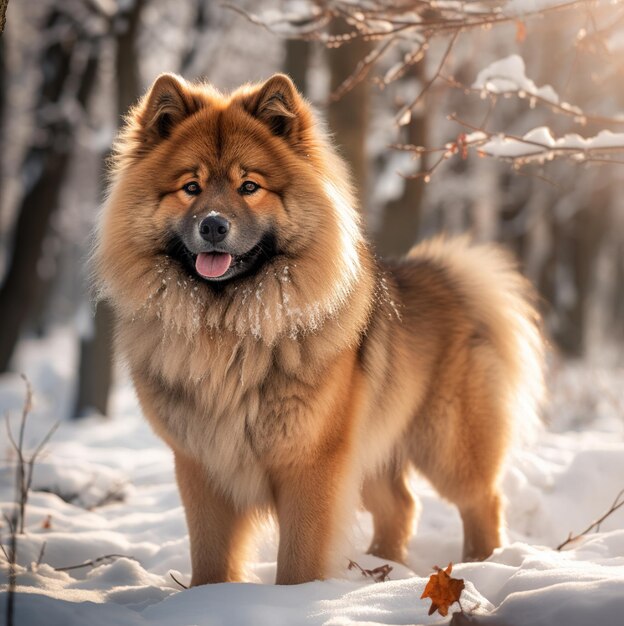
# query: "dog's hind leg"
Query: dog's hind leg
{"points": [[393, 508], [459, 445], [217, 531], [482, 521]]}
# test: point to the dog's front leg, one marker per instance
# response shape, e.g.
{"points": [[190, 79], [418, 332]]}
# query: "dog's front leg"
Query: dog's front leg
{"points": [[217, 530], [313, 506]]}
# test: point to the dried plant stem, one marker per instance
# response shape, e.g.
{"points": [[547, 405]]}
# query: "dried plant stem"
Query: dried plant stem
{"points": [[378, 574], [12, 559], [178, 582], [23, 482], [595, 525], [41, 552], [25, 466], [94, 562]]}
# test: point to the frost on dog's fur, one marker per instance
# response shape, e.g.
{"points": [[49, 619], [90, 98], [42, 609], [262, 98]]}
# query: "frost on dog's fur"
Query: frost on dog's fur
{"points": [[322, 372]]}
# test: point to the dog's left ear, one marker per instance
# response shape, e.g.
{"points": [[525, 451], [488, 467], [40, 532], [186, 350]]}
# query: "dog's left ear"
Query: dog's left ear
{"points": [[278, 105]]}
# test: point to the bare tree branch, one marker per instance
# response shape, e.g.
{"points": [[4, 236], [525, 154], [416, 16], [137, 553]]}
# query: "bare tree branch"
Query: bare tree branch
{"points": [[405, 113], [412, 27]]}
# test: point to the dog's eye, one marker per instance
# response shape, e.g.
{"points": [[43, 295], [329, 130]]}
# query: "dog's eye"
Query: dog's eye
{"points": [[192, 188], [248, 187]]}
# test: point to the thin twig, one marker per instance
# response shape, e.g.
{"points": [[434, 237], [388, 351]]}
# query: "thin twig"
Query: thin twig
{"points": [[40, 557], [33, 458], [177, 581], [6, 554], [378, 574], [10, 522], [588, 155], [569, 110], [409, 107], [365, 20], [361, 71], [94, 562], [114, 494], [545, 179], [595, 525]]}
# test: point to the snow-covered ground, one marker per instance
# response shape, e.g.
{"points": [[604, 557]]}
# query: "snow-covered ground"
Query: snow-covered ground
{"points": [[105, 486]]}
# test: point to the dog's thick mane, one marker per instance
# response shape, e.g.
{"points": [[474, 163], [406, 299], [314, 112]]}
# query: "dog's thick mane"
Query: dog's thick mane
{"points": [[287, 297], [276, 302]]}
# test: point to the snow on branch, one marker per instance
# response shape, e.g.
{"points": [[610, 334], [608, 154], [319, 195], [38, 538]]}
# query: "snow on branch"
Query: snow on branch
{"points": [[391, 25], [538, 146], [506, 78], [410, 27], [379, 19]]}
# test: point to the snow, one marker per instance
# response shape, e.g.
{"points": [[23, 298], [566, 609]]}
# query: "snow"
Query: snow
{"points": [[540, 141], [105, 486], [509, 74]]}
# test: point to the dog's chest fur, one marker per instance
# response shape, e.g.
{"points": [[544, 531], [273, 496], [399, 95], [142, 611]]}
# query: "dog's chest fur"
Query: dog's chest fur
{"points": [[235, 403]]}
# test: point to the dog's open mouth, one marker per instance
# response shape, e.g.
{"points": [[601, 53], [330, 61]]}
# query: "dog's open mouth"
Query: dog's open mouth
{"points": [[218, 266]]}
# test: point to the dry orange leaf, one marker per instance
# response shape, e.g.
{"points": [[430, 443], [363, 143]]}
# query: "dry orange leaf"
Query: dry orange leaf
{"points": [[443, 590], [47, 522]]}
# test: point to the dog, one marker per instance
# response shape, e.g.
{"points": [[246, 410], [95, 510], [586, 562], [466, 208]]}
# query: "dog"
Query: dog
{"points": [[291, 371]]}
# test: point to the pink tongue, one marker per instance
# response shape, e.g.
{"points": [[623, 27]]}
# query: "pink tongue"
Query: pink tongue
{"points": [[212, 264]]}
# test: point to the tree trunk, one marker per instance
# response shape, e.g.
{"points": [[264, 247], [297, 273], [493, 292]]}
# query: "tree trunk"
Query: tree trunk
{"points": [[348, 116], [618, 301], [585, 234], [297, 62], [3, 7], [95, 371], [46, 166], [401, 217], [3, 102]]}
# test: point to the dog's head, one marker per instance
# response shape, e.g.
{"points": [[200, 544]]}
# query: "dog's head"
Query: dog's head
{"points": [[226, 191]]}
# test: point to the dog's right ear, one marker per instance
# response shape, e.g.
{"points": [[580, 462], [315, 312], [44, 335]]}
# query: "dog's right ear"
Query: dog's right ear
{"points": [[168, 103]]}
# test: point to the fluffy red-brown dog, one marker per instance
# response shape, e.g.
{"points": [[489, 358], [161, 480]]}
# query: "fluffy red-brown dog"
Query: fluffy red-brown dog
{"points": [[289, 370]]}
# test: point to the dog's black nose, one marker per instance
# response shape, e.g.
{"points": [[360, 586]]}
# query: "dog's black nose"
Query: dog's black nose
{"points": [[214, 228]]}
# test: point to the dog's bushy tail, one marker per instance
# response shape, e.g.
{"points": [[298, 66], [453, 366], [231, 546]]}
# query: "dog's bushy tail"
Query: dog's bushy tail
{"points": [[502, 301]]}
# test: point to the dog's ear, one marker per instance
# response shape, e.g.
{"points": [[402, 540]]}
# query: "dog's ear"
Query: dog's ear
{"points": [[168, 103], [278, 104]]}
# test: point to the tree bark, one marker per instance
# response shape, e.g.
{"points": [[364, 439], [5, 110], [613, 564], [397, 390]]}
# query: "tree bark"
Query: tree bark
{"points": [[3, 8], [348, 116], [3, 102], [45, 167], [401, 217], [95, 372], [618, 301], [297, 62], [585, 234]]}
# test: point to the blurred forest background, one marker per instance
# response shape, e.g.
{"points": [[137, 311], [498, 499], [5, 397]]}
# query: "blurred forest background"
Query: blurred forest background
{"points": [[69, 70]]}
